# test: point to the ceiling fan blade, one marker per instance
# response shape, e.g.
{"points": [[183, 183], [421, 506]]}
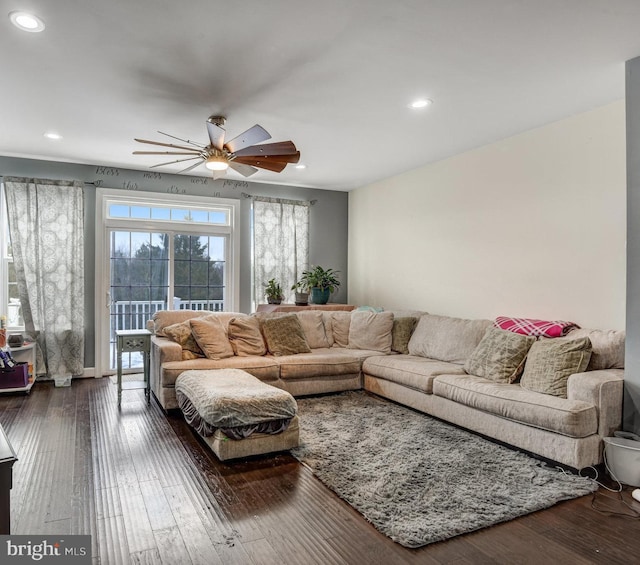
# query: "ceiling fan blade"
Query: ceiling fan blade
{"points": [[253, 135], [183, 140], [164, 144], [176, 161], [244, 170], [262, 163], [191, 167], [165, 153], [279, 148], [216, 135]]}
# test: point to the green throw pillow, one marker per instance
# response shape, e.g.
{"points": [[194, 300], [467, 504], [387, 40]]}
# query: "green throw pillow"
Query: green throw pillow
{"points": [[550, 363], [499, 356], [284, 335], [401, 334]]}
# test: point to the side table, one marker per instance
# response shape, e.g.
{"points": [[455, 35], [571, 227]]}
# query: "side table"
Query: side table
{"points": [[129, 341]]}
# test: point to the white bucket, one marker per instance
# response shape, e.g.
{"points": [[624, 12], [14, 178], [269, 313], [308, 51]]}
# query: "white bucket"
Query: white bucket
{"points": [[622, 458]]}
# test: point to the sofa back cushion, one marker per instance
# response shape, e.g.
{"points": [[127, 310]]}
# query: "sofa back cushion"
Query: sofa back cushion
{"points": [[340, 324], [608, 348], [371, 331], [312, 322], [181, 334], [245, 336], [447, 339], [164, 318], [211, 336]]}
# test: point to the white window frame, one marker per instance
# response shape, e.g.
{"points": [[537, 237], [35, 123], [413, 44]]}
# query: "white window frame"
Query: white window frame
{"points": [[108, 196], [5, 261]]}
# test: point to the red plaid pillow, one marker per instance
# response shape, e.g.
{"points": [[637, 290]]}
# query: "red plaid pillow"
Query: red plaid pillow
{"points": [[528, 326]]}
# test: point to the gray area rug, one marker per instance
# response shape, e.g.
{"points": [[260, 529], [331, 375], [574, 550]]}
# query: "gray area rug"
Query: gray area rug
{"points": [[417, 479]]}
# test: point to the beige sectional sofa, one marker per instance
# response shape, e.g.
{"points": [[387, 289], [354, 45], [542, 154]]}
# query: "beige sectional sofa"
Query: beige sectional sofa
{"points": [[353, 350]]}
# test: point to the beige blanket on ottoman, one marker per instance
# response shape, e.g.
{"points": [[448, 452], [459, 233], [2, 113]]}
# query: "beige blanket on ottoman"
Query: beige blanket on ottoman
{"points": [[233, 401]]}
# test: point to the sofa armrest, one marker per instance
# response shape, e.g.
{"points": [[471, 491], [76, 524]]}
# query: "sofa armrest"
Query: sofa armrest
{"points": [[603, 389], [162, 351]]}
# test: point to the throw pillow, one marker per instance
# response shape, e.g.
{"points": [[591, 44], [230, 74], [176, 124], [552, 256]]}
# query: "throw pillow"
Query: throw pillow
{"points": [[211, 336], [181, 333], [608, 348], [550, 362], [500, 356], [371, 331], [401, 333], [245, 336], [340, 324], [312, 323], [530, 326], [284, 335]]}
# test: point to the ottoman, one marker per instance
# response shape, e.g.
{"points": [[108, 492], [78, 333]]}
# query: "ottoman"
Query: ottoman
{"points": [[236, 414]]}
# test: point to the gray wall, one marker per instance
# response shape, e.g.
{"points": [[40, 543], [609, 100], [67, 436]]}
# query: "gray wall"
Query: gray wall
{"points": [[328, 217], [631, 419]]}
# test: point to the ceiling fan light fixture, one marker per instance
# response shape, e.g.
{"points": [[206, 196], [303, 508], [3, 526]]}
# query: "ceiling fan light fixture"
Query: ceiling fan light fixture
{"points": [[216, 163], [420, 103]]}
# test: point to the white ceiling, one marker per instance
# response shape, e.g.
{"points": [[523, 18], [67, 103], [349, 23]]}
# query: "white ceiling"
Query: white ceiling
{"points": [[334, 76]]}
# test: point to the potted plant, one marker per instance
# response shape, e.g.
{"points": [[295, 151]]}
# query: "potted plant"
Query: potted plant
{"points": [[273, 292], [322, 282], [302, 293]]}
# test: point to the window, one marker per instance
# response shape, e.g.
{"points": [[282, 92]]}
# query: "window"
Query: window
{"points": [[153, 255], [9, 302]]}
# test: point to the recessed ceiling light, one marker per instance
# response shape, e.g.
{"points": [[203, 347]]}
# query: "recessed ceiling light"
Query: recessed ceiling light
{"points": [[420, 103], [301, 166], [52, 135], [26, 22]]}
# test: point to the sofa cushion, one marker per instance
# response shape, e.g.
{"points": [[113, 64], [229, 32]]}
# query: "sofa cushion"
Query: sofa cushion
{"points": [[550, 362], [181, 334], [312, 322], [318, 363], [447, 339], [340, 324], [573, 418], [211, 337], [245, 336], [401, 333], [164, 318], [499, 356], [607, 348], [284, 335], [409, 370], [264, 368], [371, 330]]}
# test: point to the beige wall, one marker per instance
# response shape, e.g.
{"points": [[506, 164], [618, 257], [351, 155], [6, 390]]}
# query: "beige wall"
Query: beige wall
{"points": [[533, 226]]}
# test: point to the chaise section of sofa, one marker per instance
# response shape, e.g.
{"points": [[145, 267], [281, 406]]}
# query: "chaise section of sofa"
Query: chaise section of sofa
{"points": [[568, 430]]}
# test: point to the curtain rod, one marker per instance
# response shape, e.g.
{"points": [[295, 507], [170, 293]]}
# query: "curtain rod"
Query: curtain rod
{"points": [[245, 195]]}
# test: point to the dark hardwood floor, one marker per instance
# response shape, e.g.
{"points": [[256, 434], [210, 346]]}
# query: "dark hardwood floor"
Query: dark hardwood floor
{"points": [[148, 491]]}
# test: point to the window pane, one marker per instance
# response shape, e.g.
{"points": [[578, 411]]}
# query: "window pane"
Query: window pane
{"points": [[140, 212], [221, 217], [118, 211], [199, 216], [160, 214], [178, 214]]}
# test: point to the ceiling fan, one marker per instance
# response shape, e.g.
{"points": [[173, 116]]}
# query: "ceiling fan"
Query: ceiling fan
{"points": [[244, 153]]}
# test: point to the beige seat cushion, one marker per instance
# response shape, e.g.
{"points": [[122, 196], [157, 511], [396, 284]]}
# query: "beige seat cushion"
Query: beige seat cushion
{"points": [[572, 418], [319, 362], [409, 370], [264, 368]]}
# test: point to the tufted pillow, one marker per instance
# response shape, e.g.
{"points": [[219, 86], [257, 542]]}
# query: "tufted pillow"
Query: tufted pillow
{"points": [[551, 362], [371, 331], [181, 333], [284, 335], [401, 333], [500, 356], [245, 336], [211, 336]]}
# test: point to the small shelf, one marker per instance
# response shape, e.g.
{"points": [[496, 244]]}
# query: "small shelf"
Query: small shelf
{"points": [[24, 353], [18, 389]]}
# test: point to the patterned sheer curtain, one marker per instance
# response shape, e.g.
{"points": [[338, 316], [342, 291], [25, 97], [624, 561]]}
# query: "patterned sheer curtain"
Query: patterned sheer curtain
{"points": [[46, 224], [280, 243]]}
